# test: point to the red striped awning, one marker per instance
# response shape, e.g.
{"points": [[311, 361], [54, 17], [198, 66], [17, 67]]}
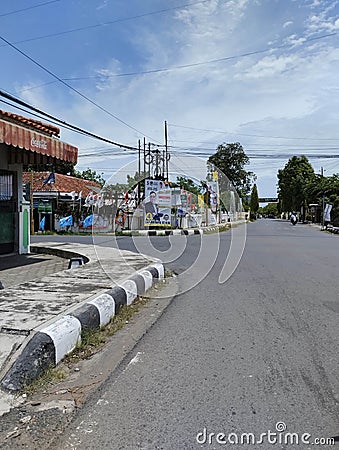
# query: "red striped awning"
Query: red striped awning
{"points": [[27, 139]]}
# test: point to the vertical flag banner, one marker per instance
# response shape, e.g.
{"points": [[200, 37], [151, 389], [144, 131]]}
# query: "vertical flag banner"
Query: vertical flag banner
{"points": [[327, 212], [88, 222], [213, 191], [66, 221], [42, 223], [50, 179]]}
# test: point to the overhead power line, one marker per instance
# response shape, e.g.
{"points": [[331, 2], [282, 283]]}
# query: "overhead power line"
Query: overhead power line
{"points": [[253, 135], [207, 154], [28, 8], [62, 122], [39, 116], [186, 66], [71, 87], [210, 61], [110, 22]]}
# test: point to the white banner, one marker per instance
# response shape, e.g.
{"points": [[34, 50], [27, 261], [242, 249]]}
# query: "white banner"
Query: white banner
{"points": [[327, 212]]}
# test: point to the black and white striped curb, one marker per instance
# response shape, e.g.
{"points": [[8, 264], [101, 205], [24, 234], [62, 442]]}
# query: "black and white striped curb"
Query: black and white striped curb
{"points": [[52, 343], [331, 229], [187, 232]]}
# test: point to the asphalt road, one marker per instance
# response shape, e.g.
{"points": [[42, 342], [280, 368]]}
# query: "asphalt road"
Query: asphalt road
{"points": [[256, 354]]}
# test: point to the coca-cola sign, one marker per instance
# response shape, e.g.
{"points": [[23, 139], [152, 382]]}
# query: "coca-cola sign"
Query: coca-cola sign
{"points": [[39, 143]]}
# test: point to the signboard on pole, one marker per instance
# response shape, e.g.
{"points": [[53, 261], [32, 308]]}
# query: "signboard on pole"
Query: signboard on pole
{"points": [[157, 203]]}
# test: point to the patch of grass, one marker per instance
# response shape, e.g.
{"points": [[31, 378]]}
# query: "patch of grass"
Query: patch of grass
{"points": [[92, 340], [218, 229], [50, 376]]}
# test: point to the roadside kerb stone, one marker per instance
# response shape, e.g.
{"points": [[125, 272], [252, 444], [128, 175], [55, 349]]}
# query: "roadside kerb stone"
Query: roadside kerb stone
{"points": [[85, 303], [176, 232]]}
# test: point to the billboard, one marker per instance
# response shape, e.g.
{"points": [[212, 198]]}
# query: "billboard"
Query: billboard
{"points": [[157, 203]]}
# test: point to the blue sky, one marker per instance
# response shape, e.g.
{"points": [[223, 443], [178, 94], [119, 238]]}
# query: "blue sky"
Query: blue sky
{"points": [[260, 72]]}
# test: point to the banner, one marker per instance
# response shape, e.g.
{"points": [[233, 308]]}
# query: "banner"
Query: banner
{"points": [[201, 202], [154, 186], [66, 221], [88, 222], [213, 190], [42, 224], [157, 203], [50, 179], [327, 212]]}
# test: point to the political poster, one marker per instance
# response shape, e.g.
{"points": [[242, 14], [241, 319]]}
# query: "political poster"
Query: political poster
{"points": [[213, 190], [157, 204]]}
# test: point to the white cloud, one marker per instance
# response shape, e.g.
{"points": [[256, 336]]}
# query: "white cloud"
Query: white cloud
{"points": [[280, 92], [269, 66]]}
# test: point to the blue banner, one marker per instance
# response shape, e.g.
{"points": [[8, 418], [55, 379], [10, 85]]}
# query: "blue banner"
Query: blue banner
{"points": [[66, 221], [88, 222], [50, 179], [42, 224]]}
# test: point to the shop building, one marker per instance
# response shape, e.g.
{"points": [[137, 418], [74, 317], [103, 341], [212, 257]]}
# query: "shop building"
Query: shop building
{"points": [[24, 142], [52, 200]]}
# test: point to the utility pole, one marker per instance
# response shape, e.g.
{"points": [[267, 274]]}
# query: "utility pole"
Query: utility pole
{"points": [[31, 202], [139, 169], [166, 151], [323, 203], [144, 156]]}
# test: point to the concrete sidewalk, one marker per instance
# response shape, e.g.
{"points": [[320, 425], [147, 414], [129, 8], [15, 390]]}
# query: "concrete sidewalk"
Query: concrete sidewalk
{"points": [[44, 305], [18, 269]]}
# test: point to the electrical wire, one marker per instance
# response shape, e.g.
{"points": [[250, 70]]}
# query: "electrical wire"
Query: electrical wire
{"points": [[28, 8], [37, 115], [185, 66], [211, 61], [63, 123], [71, 87], [253, 135], [111, 22]]}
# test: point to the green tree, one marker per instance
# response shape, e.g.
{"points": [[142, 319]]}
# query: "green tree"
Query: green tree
{"points": [[132, 182], [62, 167], [231, 160], [188, 185], [293, 182], [270, 210], [328, 187], [254, 202], [90, 175]]}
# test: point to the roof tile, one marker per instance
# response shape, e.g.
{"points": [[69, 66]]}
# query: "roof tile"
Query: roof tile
{"points": [[63, 183]]}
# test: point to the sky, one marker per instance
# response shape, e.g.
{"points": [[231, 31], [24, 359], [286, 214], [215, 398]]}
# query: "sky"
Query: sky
{"points": [[263, 73]]}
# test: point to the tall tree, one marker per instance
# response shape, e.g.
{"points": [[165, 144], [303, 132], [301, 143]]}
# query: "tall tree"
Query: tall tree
{"points": [[231, 159], [293, 181], [254, 201], [90, 175], [133, 181], [328, 187], [188, 185]]}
